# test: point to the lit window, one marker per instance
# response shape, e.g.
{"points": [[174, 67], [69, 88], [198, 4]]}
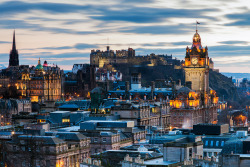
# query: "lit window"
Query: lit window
{"points": [[65, 120], [212, 143], [206, 143], [222, 143], [217, 143]]}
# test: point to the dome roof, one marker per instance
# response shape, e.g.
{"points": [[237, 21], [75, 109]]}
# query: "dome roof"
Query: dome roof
{"points": [[197, 41], [45, 64], [39, 66], [196, 36], [184, 90]]}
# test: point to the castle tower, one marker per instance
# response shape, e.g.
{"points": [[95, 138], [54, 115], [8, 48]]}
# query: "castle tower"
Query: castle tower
{"points": [[13, 59], [197, 66]]}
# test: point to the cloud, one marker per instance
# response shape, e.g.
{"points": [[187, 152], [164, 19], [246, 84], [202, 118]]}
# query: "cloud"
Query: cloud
{"points": [[57, 48], [150, 14], [161, 44], [239, 19], [12, 7], [234, 42], [162, 29], [3, 42], [85, 46]]}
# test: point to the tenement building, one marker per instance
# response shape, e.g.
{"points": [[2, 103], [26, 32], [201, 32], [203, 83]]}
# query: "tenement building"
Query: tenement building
{"points": [[195, 103], [41, 83], [47, 149]]}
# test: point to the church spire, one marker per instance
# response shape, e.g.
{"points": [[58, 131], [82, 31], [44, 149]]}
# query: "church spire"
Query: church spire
{"points": [[14, 41], [13, 59]]}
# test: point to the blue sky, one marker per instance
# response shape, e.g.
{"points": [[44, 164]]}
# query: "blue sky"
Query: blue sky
{"points": [[63, 32]]}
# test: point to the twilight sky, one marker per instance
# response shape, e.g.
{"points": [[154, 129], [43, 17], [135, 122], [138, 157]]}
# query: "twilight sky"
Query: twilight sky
{"points": [[64, 31]]}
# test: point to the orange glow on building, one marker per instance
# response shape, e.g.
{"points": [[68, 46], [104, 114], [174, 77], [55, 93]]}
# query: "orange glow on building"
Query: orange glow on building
{"points": [[202, 61], [175, 103], [215, 100], [187, 62]]}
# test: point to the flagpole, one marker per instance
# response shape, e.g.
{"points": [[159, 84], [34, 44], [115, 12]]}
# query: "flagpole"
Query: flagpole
{"points": [[196, 25]]}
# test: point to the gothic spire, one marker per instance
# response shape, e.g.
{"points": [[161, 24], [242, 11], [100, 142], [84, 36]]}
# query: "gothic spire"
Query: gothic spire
{"points": [[13, 59], [14, 41]]}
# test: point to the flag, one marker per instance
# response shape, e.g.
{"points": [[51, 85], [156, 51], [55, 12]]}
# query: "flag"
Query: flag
{"points": [[197, 22]]}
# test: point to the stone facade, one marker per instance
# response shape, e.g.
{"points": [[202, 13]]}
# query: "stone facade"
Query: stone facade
{"points": [[49, 151], [41, 83]]}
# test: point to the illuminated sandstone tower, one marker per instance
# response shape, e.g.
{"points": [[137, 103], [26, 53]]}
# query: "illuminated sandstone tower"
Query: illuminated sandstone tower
{"points": [[197, 66]]}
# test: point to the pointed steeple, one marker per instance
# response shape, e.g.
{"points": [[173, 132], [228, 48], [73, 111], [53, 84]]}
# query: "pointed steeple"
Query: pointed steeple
{"points": [[14, 58], [14, 41]]}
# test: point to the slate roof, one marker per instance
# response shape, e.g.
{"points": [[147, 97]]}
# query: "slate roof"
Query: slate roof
{"points": [[47, 140], [234, 145], [67, 136], [68, 106]]}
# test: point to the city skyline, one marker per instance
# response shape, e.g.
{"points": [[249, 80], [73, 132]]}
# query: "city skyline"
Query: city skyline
{"points": [[64, 32]]}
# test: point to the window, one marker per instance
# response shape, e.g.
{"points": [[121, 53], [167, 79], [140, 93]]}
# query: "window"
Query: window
{"points": [[104, 139], [212, 143], [222, 143], [217, 143], [23, 164], [206, 143], [190, 152], [37, 162], [95, 139], [65, 120], [47, 163], [47, 149]]}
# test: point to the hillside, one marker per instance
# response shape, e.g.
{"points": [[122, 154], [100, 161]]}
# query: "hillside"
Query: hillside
{"points": [[223, 86], [220, 83]]}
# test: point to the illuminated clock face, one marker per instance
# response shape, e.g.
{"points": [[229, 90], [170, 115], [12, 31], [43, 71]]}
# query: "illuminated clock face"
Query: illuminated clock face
{"points": [[194, 60]]}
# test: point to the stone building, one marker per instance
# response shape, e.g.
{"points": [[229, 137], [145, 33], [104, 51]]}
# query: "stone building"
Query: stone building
{"points": [[41, 83], [9, 107], [111, 135], [195, 103], [100, 58], [49, 149]]}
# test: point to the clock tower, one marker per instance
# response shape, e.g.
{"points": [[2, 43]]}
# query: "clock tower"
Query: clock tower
{"points": [[196, 66]]}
